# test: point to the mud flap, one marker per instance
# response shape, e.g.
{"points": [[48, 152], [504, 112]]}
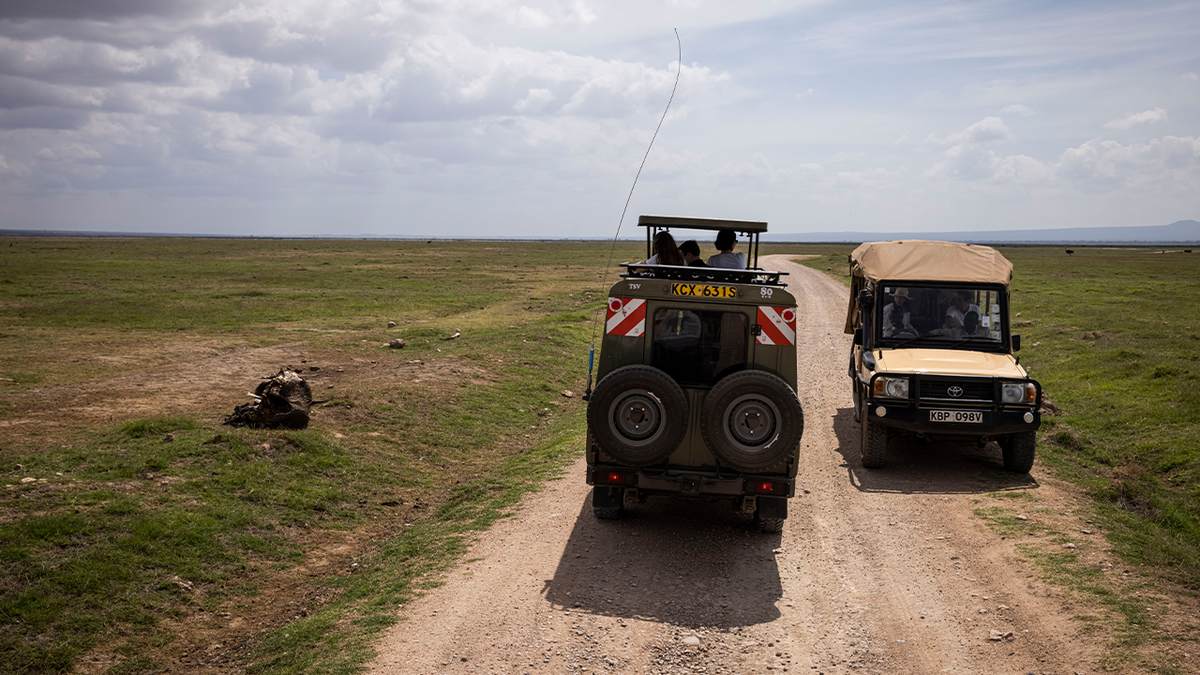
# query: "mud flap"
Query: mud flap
{"points": [[772, 507], [607, 497]]}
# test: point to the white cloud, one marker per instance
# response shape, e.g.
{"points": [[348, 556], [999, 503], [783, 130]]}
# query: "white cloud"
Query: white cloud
{"points": [[986, 130], [1017, 109], [1135, 120], [1190, 76], [1170, 163]]}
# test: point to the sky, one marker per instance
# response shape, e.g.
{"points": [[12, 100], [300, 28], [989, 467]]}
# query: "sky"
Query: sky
{"points": [[531, 118]]}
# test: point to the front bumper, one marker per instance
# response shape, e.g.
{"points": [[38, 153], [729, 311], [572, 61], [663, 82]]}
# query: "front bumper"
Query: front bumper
{"points": [[917, 417]]}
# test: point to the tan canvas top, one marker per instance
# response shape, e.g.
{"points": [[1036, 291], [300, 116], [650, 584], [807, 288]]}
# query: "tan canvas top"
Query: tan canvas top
{"points": [[917, 260]]}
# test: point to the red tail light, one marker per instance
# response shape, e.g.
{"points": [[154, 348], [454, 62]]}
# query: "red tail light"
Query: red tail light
{"points": [[767, 487], [614, 478]]}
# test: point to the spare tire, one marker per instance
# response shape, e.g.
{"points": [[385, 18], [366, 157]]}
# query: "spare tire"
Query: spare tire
{"points": [[752, 420], [637, 414]]}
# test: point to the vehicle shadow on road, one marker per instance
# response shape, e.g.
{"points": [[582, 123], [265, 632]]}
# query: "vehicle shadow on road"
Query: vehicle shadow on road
{"points": [[692, 564], [914, 466]]}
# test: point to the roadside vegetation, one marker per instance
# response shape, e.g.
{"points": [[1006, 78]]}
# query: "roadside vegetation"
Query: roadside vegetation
{"points": [[1113, 335], [135, 544]]}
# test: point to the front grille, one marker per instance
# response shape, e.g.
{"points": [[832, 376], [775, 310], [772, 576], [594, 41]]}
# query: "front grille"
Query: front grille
{"points": [[971, 389]]}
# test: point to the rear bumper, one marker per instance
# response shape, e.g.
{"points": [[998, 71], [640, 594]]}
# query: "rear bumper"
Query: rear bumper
{"points": [[687, 482]]}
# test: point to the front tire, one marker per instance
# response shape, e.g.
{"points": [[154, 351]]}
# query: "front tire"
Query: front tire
{"points": [[874, 441], [1019, 450]]}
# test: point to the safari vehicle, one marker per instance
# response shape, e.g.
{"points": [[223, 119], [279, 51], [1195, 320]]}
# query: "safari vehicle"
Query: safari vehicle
{"points": [[696, 393], [933, 356]]}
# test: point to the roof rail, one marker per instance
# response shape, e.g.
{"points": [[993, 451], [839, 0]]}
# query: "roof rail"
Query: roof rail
{"points": [[724, 275]]}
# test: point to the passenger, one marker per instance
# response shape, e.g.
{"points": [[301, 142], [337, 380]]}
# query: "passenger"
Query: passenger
{"points": [[726, 240], [690, 251], [665, 251], [973, 327], [897, 317], [956, 313]]}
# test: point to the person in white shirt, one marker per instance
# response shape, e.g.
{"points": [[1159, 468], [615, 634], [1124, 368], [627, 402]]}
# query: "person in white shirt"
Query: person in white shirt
{"points": [[956, 313], [726, 240]]}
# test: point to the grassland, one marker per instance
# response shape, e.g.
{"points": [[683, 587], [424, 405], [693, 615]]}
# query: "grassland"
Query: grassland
{"points": [[137, 532], [127, 543]]}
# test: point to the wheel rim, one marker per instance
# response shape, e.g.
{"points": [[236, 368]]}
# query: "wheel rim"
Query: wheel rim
{"points": [[637, 417], [751, 421]]}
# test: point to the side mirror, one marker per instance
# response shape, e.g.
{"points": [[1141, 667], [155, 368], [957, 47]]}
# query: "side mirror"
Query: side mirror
{"points": [[1016, 343], [866, 299], [858, 336]]}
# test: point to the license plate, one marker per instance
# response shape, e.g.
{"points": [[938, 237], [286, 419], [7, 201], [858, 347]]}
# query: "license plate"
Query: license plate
{"points": [[704, 290], [970, 416]]}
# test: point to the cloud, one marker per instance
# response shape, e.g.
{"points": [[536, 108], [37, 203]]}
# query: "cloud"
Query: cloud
{"points": [[1017, 109], [1171, 163], [1135, 120], [1190, 76], [986, 130]]}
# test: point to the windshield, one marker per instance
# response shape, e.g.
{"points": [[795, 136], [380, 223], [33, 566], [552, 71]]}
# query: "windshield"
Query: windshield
{"points": [[940, 316]]}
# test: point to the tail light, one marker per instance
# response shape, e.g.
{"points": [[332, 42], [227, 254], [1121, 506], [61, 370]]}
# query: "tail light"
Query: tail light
{"points": [[609, 477]]}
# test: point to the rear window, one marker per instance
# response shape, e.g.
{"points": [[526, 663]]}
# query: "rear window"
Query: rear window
{"points": [[699, 347]]}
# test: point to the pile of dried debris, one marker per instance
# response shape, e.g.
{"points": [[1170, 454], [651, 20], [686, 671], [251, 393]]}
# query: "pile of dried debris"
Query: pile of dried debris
{"points": [[280, 401]]}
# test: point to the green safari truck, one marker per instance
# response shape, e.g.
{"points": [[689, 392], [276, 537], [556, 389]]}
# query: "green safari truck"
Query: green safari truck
{"points": [[696, 384]]}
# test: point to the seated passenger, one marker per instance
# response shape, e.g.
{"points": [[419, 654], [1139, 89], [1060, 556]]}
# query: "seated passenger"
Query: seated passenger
{"points": [[665, 251], [897, 317], [690, 251], [726, 240], [957, 312]]}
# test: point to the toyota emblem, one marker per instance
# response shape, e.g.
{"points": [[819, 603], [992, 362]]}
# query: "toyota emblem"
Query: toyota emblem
{"points": [[955, 391]]}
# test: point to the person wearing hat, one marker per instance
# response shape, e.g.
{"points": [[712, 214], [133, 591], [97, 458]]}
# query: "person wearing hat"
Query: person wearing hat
{"points": [[897, 317]]}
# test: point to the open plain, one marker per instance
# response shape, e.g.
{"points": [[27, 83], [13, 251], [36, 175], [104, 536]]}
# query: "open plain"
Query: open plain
{"points": [[434, 517]]}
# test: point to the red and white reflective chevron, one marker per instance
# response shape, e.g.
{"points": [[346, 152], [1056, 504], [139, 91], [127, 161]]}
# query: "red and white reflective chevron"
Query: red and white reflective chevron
{"points": [[627, 316], [778, 325]]}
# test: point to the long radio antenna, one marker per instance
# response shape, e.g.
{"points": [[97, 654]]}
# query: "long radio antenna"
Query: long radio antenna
{"points": [[678, 69]]}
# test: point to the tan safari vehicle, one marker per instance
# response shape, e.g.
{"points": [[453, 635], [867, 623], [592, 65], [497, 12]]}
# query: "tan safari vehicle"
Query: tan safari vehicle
{"points": [[696, 391], [933, 355]]}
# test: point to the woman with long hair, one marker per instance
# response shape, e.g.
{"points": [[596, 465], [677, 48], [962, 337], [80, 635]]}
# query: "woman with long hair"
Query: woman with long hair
{"points": [[665, 251]]}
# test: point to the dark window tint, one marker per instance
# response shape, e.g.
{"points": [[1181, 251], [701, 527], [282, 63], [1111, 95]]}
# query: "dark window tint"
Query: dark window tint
{"points": [[699, 347]]}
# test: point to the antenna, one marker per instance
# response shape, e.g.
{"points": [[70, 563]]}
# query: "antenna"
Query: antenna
{"points": [[587, 392]]}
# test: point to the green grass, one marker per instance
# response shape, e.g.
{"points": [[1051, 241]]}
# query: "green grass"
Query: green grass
{"points": [[135, 525]]}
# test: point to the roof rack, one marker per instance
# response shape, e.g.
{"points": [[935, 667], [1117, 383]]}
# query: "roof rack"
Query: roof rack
{"points": [[703, 274], [751, 228]]}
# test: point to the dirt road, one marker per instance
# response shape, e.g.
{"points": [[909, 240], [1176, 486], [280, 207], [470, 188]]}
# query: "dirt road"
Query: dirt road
{"points": [[883, 571]]}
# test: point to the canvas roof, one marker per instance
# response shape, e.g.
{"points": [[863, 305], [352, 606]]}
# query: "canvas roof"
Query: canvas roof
{"points": [[918, 260]]}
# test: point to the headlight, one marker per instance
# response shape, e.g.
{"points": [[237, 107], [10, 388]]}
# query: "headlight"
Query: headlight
{"points": [[892, 387], [1019, 392]]}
